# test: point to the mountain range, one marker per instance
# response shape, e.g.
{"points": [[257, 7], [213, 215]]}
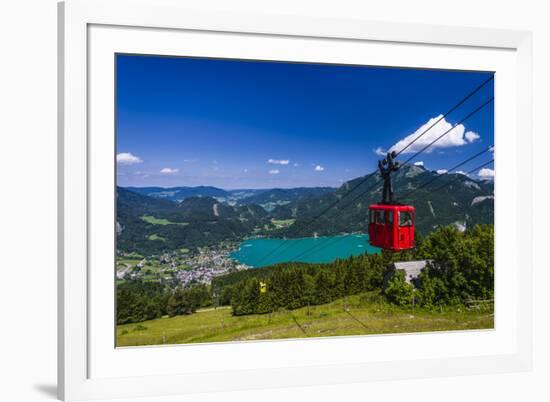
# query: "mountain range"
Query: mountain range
{"points": [[152, 219], [267, 198], [459, 200]]}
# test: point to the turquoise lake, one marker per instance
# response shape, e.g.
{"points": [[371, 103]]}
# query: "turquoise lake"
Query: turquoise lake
{"points": [[261, 252]]}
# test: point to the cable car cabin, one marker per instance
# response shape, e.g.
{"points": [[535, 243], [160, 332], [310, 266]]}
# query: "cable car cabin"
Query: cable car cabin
{"points": [[391, 227]]}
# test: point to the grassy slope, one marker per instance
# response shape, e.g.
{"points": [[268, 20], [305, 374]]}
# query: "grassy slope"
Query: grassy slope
{"points": [[156, 221], [367, 315]]}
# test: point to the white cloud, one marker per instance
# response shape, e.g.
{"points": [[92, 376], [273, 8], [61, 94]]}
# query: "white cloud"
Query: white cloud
{"points": [[126, 158], [456, 137], [462, 172], [274, 171], [169, 171], [486, 173], [319, 168], [379, 151], [471, 136], [245, 170], [419, 163], [278, 161], [441, 171], [492, 149], [296, 164]]}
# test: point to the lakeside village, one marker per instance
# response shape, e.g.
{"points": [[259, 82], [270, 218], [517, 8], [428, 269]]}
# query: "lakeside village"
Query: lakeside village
{"points": [[183, 267], [179, 267]]}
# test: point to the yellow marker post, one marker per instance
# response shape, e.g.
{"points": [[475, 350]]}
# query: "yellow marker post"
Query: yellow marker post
{"points": [[263, 287]]}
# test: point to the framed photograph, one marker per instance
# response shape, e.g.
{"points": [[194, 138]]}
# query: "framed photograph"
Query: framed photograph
{"points": [[255, 201]]}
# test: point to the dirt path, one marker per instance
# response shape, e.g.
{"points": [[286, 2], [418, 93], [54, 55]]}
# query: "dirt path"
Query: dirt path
{"points": [[204, 310]]}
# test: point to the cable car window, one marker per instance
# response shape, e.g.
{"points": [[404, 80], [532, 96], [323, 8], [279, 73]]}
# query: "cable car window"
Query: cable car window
{"points": [[380, 217], [390, 217], [405, 219], [371, 216]]}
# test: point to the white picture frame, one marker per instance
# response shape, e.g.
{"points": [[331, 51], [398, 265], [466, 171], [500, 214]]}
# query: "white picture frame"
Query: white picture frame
{"points": [[80, 377]]}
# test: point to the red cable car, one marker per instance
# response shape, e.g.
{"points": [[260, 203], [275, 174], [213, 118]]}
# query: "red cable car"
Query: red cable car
{"points": [[391, 225]]}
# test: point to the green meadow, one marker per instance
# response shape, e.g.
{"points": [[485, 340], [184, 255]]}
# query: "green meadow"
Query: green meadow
{"points": [[362, 314], [156, 221], [156, 237], [282, 223]]}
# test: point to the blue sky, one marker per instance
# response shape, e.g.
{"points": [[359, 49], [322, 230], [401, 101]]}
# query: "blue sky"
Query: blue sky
{"points": [[257, 124]]}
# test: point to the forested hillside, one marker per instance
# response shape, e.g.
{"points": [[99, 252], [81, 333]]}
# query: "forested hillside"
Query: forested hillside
{"points": [[147, 225], [152, 224], [463, 203]]}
